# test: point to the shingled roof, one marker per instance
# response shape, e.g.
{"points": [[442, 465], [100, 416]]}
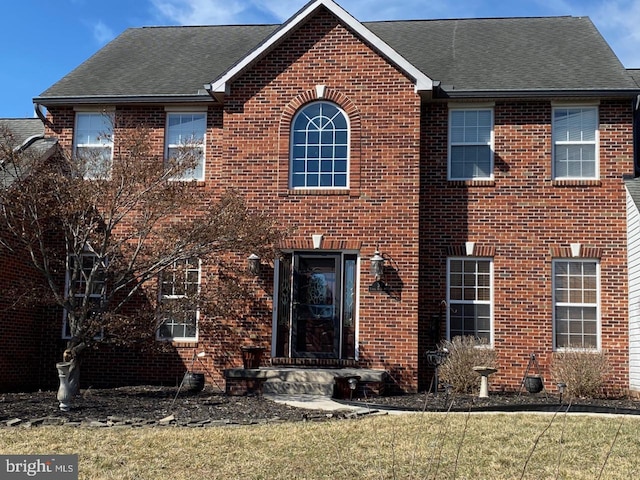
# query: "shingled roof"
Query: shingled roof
{"points": [[23, 133], [465, 57]]}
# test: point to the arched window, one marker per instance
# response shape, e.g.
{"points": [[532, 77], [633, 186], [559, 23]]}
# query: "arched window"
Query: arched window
{"points": [[320, 147]]}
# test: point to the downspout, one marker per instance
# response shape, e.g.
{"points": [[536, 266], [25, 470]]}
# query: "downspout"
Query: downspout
{"points": [[38, 109]]}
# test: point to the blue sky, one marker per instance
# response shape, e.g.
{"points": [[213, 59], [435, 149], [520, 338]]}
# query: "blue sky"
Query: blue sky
{"points": [[43, 40]]}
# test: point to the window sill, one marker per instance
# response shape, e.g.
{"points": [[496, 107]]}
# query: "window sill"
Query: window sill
{"points": [[306, 192], [472, 183], [576, 183], [180, 343]]}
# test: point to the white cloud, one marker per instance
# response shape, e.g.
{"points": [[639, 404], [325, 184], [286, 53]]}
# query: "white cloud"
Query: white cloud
{"points": [[201, 12], [102, 33], [619, 22]]}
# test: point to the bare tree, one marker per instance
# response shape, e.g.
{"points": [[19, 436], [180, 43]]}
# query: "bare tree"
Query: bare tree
{"points": [[102, 230]]}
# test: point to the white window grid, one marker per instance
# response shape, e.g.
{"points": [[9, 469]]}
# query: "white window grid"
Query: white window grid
{"points": [[186, 131], [97, 295], [471, 144], [180, 282], [576, 299], [94, 143], [575, 142], [320, 139], [470, 297]]}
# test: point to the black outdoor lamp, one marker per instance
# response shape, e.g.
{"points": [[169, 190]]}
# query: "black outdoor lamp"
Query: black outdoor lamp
{"points": [[253, 264], [377, 269], [561, 388]]}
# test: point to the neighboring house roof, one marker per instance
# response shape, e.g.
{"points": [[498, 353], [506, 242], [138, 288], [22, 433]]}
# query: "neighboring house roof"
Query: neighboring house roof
{"points": [[633, 187], [25, 133], [466, 57], [24, 136]]}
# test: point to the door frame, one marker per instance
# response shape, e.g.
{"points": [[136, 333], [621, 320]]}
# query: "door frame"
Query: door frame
{"points": [[341, 256]]}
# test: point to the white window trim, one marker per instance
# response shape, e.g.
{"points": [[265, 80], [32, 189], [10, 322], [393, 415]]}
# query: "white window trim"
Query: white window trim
{"points": [[104, 112], [291, 145], [491, 301], [598, 305], [596, 142], [471, 107], [162, 297], [167, 146]]}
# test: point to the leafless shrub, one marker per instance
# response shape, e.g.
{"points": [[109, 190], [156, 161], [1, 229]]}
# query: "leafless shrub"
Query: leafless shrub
{"points": [[464, 354], [584, 372]]}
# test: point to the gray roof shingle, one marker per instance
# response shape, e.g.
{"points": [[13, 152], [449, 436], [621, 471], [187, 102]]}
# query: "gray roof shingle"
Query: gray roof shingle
{"points": [[509, 54], [23, 135], [22, 129], [160, 61], [534, 55], [633, 187]]}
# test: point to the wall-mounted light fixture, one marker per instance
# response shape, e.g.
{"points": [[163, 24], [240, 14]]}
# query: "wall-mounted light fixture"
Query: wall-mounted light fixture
{"points": [[377, 270], [253, 264]]}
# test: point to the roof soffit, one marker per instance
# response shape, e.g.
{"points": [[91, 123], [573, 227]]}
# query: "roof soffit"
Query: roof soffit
{"points": [[218, 88]]}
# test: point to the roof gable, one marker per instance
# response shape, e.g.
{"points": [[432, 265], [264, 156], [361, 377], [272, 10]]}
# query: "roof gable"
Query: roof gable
{"points": [[219, 86]]}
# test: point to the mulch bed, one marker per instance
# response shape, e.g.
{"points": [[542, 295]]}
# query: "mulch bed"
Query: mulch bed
{"points": [[164, 406]]}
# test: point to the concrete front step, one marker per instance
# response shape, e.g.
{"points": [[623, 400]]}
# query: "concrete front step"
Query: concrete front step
{"points": [[279, 387], [302, 381]]}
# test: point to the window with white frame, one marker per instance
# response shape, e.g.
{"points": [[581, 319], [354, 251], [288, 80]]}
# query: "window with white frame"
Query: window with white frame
{"points": [[320, 147], [575, 142], [94, 143], [576, 303], [179, 287], [86, 280], [185, 142], [470, 144], [470, 298]]}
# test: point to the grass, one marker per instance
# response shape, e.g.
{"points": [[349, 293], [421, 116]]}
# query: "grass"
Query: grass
{"points": [[412, 446]]}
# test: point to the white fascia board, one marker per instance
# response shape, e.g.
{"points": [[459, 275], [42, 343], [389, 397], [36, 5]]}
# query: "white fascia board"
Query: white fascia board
{"points": [[422, 82]]}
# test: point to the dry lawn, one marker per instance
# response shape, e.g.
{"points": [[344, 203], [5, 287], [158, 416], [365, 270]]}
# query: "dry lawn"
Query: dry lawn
{"points": [[412, 446]]}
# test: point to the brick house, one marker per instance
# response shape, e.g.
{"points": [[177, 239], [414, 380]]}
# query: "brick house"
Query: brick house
{"points": [[482, 159]]}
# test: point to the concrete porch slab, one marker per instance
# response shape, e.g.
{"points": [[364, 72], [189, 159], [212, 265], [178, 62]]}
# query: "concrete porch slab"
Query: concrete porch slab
{"points": [[301, 381]]}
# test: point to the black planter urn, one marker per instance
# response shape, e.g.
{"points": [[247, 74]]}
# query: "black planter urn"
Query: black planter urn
{"points": [[533, 383]]}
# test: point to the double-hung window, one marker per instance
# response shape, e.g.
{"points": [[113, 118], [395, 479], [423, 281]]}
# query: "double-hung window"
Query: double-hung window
{"points": [[85, 287], [576, 303], [575, 142], [179, 287], [185, 142], [471, 144], [470, 298], [93, 144], [320, 147]]}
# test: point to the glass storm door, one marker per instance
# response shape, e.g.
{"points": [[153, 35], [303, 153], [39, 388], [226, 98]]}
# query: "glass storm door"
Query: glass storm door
{"points": [[316, 298]]}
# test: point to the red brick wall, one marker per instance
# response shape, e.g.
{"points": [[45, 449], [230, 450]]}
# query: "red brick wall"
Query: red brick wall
{"points": [[381, 206], [524, 217]]}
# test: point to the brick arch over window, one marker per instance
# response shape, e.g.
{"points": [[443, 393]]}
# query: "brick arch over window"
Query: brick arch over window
{"points": [[284, 143]]}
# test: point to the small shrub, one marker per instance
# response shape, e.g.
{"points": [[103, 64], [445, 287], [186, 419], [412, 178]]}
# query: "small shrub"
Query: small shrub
{"points": [[464, 354], [583, 371]]}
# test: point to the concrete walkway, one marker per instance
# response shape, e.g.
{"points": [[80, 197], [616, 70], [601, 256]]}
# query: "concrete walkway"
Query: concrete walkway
{"points": [[323, 402]]}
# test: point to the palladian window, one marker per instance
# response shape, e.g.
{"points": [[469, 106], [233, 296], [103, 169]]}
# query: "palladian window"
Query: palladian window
{"points": [[320, 147]]}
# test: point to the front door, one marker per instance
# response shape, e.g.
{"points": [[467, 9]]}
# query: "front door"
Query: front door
{"points": [[316, 312], [316, 306]]}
